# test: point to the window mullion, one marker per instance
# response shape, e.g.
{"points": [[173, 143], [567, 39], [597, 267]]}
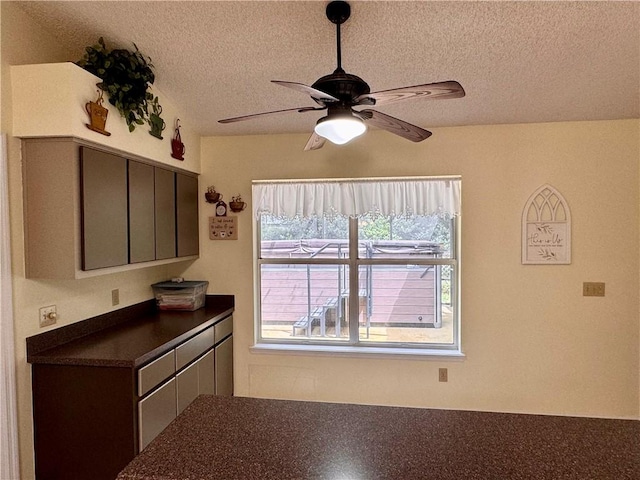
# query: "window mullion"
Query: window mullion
{"points": [[354, 273], [257, 280]]}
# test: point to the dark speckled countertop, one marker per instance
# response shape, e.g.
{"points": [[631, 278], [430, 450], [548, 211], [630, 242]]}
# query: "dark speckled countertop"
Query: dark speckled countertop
{"points": [[128, 337], [248, 438]]}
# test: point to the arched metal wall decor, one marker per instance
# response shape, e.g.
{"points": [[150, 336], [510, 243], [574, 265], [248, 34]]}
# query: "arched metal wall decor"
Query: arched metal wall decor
{"points": [[546, 228]]}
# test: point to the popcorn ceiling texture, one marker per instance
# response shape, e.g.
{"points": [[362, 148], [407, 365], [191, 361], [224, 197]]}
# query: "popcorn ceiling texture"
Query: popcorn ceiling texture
{"points": [[519, 62]]}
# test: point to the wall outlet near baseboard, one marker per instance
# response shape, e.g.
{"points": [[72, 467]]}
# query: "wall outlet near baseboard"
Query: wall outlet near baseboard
{"points": [[115, 296], [48, 316], [593, 289], [443, 375]]}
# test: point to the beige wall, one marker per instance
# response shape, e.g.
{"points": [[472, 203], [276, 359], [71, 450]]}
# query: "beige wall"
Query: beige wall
{"points": [[533, 343], [25, 43]]}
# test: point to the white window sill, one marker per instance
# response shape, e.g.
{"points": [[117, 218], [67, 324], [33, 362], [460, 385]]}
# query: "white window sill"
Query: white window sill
{"points": [[353, 351]]}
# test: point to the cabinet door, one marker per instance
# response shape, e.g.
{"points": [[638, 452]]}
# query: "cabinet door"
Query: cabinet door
{"points": [[224, 367], [155, 412], [207, 374], [187, 214], [104, 209], [141, 213], [187, 386], [165, 213]]}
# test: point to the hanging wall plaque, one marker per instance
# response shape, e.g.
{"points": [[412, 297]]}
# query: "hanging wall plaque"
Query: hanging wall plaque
{"points": [[546, 228], [98, 115], [223, 228], [177, 147]]}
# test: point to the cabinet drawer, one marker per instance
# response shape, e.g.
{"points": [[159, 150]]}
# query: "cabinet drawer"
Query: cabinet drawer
{"points": [[224, 328], [190, 349], [154, 373], [156, 412]]}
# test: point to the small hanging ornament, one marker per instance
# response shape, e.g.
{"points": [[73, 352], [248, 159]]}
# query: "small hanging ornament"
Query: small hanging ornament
{"points": [[98, 115], [155, 120], [177, 147], [236, 204]]}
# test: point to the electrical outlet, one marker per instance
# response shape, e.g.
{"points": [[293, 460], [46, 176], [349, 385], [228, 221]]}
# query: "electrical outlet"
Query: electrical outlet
{"points": [[115, 296], [443, 375], [593, 289], [48, 316]]}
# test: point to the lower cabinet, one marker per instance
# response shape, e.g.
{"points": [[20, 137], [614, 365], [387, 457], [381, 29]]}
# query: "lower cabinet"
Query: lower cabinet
{"points": [[207, 381], [157, 411], [90, 421], [224, 367], [197, 367]]}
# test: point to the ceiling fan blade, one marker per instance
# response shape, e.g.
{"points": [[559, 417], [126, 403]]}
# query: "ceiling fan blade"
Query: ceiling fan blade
{"points": [[442, 90], [394, 125], [256, 115], [315, 142], [313, 92]]}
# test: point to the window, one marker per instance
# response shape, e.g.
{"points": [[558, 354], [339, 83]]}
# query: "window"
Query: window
{"points": [[360, 264]]}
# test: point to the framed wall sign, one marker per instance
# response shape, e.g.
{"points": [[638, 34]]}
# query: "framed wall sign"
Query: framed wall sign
{"points": [[223, 228], [546, 228]]}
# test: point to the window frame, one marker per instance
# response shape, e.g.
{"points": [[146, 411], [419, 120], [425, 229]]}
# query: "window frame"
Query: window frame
{"points": [[354, 344]]}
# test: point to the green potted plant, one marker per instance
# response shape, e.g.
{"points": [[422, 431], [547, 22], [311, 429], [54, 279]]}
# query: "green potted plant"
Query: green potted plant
{"points": [[126, 77]]}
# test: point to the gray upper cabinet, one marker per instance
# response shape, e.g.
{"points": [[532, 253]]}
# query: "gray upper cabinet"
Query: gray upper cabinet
{"points": [[87, 209], [187, 214], [141, 212], [165, 213], [104, 209]]}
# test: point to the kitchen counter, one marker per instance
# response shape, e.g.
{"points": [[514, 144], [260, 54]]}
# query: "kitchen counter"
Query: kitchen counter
{"points": [[104, 387], [248, 438], [128, 337]]}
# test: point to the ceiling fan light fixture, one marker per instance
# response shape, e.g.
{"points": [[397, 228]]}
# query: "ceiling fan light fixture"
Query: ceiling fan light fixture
{"points": [[340, 129]]}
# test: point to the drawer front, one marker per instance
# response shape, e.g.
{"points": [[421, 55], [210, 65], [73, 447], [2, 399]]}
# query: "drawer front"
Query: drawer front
{"points": [[156, 412], [190, 349], [156, 372], [224, 328]]}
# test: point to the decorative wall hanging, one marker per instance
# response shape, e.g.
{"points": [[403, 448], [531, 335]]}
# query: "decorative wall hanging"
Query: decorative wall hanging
{"points": [[97, 115], [236, 204], [155, 121], [177, 147], [223, 228], [211, 195], [221, 209], [546, 228]]}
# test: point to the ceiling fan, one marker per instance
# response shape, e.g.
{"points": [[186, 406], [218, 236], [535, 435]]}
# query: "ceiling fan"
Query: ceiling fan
{"points": [[339, 92]]}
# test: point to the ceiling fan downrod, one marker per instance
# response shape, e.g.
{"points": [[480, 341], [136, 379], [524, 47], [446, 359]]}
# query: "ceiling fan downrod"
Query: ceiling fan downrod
{"points": [[338, 12], [339, 92]]}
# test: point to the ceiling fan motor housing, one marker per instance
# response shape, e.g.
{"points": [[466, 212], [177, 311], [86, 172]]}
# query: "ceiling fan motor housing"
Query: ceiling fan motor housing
{"points": [[344, 86]]}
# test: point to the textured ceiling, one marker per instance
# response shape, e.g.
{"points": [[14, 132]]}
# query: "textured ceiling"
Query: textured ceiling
{"points": [[519, 62]]}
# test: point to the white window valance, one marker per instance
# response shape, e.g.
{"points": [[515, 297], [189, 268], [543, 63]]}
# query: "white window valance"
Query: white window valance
{"points": [[383, 196]]}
